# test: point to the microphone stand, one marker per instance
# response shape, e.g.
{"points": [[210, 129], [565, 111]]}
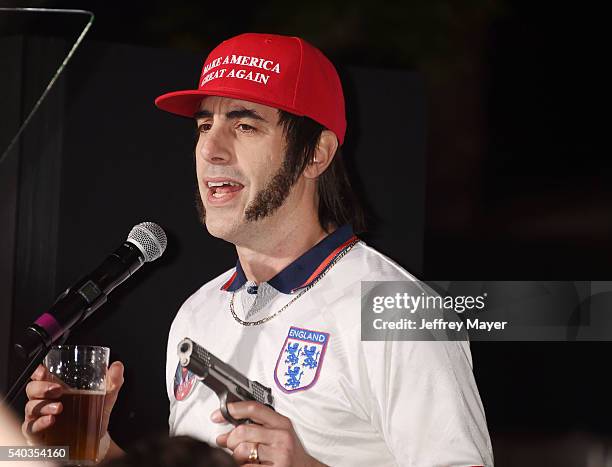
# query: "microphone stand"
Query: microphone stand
{"points": [[22, 381]]}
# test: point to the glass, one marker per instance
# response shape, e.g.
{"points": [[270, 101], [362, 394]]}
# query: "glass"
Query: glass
{"points": [[81, 370]]}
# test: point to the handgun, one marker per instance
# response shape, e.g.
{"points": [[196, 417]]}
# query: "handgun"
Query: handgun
{"points": [[229, 384]]}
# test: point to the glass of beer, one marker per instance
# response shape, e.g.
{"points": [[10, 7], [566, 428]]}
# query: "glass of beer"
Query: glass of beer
{"points": [[81, 370]]}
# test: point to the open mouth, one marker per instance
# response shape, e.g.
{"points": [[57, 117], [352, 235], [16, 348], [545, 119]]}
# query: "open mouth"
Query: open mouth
{"points": [[223, 190]]}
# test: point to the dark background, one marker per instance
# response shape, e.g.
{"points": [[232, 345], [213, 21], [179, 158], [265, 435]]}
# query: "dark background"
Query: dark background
{"points": [[516, 176]]}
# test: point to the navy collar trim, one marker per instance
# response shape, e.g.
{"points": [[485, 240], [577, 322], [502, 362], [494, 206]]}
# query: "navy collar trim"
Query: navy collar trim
{"points": [[304, 270]]}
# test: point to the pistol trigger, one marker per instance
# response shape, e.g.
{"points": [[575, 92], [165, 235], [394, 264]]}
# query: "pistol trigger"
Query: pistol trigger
{"points": [[225, 412]]}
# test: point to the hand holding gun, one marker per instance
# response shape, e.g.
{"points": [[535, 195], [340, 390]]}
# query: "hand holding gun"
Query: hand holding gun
{"points": [[229, 384]]}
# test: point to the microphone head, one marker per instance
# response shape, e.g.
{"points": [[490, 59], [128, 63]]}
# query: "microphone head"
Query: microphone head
{"points": [[150, 239]]}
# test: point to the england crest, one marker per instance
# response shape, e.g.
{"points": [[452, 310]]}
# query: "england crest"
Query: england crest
{"points": [[300, 359], [184, 382]]}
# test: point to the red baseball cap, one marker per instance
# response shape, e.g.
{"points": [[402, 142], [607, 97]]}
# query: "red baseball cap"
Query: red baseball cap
{"points": [[283, 72]]}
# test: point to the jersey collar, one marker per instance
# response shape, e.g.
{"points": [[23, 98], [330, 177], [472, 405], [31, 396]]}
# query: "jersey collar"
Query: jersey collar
{"points": [[304, 270]]}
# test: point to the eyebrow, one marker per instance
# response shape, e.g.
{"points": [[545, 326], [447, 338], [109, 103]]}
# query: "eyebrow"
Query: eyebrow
{"points": [[232, 114]]}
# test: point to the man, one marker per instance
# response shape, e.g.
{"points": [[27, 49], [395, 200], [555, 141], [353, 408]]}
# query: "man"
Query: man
{"points": [[270, 116]]}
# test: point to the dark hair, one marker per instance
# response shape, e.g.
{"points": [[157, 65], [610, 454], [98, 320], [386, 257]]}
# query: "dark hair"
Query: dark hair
{"points": [[338, 204], [179, 451]]}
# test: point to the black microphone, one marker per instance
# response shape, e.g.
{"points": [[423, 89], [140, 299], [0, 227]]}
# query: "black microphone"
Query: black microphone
{"points": [[145, 243]]}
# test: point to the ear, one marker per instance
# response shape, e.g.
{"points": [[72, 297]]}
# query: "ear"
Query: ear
{"points": [[323, 155]]}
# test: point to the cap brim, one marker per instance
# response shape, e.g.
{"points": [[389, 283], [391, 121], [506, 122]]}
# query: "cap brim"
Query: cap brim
{"points": [[183, 103], [187, 103]]}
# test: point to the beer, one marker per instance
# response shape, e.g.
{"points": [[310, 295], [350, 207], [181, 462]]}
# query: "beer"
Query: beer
{"points": [[78, 425], [81, 371]]}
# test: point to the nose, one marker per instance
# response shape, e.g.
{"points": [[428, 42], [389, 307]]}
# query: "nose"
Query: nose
{"points": [[214, 146]]}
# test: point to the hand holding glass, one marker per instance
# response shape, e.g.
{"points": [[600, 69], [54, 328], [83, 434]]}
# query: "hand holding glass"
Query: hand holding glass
{"points": [[81, 371]]}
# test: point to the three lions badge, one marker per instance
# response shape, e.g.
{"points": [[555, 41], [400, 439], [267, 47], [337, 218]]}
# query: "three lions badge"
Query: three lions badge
{"points": [[300, 359]]}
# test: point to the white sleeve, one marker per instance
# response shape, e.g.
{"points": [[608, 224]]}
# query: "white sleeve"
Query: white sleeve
{"points": [[425, 403], [171, 364]]}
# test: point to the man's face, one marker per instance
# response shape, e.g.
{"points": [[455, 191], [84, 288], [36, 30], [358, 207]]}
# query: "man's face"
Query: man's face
{"points": [[243, 179]]}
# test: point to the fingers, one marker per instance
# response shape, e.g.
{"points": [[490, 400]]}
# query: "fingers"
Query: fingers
{"points": [[222, 439], [34, 427], [40, 374], [37, 408], [41, 386], [114, 377], [114, 382], [40, 411], [42, 406], [249, 432], [256, 412], [244, 452], [43, 390]]}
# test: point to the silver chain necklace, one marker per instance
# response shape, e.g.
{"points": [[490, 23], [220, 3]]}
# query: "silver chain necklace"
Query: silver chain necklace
{"points": [[337, 258]]}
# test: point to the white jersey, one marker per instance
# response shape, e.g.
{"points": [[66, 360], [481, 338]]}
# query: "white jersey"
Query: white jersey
{"points": [[351, 402]]}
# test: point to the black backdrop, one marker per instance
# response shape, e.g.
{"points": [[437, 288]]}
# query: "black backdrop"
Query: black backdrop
{"points": [[99, 158], [518, 181]]}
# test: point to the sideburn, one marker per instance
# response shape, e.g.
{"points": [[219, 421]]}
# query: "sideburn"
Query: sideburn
{"points": [[274, 194]]}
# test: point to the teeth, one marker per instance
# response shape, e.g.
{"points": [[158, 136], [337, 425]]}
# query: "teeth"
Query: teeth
{"points": [[212, 184], [219, 195]]}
